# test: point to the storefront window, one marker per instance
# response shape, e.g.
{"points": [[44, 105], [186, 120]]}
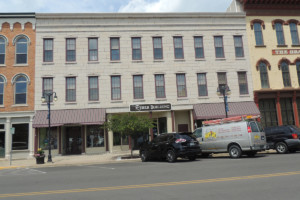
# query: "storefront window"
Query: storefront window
{"points": [[20, 138], [120, 140], [43, 138], [95, 136]]}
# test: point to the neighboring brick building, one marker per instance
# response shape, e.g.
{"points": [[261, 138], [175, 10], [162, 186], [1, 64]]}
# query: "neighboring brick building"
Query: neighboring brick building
{"points": [[17, 65], [273, 34], [102, 64]]}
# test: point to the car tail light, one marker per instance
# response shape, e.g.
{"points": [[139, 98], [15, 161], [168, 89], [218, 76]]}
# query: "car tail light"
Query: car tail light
{"points": [[294, 135], [249, 129], [180, 140]]}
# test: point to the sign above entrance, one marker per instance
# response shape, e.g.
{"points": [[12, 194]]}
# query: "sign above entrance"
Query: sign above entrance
{"points": [[150, 107], [285, 51]]}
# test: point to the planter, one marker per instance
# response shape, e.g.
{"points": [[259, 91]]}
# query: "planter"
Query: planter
{"points": [[40, 160]]}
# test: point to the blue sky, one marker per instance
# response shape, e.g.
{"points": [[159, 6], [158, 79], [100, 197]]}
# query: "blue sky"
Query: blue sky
{"points": [[69, 6]]}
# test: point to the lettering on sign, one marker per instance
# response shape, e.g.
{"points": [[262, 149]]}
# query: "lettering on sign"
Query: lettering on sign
{"points": [[285, 51], [150, 107]]}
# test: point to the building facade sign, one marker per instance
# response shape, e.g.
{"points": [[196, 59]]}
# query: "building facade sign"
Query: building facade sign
{"points": [[285, 51], [150, 107]]}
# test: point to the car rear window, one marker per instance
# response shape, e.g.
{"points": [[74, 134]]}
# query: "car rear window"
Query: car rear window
{"points": [[295, 129], [187, 137]]}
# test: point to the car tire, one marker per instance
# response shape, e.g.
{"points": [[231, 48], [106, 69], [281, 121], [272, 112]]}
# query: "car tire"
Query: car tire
{"points": [[144, 156], [192, 158], [171, 156], [281, 148], [235, 151]]}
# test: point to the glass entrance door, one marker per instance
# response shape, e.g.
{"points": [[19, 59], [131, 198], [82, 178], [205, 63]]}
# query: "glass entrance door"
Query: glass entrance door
{"points": [[2, 144], [73, 140]]}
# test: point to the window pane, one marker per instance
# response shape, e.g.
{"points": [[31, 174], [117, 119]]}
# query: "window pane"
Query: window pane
{"points": [[157, 48], [202, 86], [238, 43], [138, 87], [178, 47], [21, 48], [95, 136], [298, 71], [48, 84], [285, 74], [219, 46], [160, 86], [1, 90], [93, 88], [71, 44], [93, 49], [114, 42], [71, 89], [93, 43], [2, 58], [258, 34], [48, 44], [264, 75], [181, 87], [20, 138], [279, 34], [115, 49], [242, 78], [116, 87], [222, 80], [294, 34]]}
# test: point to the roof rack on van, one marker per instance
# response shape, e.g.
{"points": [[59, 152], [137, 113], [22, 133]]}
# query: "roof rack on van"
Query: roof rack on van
{"points": [[231, 119]]}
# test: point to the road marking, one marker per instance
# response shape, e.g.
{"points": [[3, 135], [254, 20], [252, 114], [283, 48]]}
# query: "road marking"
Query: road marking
{"points": [[150, 185], [20, 171], [2, 168]]}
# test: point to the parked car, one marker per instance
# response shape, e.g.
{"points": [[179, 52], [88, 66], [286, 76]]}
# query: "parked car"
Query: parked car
{"points": [[235, 135], [170, 146], [283, 139]]}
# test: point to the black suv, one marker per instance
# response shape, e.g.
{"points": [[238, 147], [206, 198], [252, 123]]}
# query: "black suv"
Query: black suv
{"points": [[169, 146], [283, 138]]}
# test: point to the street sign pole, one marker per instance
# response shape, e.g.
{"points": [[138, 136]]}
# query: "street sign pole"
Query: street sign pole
{"points": [[12, 131]]}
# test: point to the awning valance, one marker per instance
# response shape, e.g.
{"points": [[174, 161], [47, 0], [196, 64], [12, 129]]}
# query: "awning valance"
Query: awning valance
{"points": [[74, 116], [217, 110]]}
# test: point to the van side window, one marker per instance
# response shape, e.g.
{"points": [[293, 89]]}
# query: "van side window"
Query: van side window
{"points": [[254, 127], [198, 133]]}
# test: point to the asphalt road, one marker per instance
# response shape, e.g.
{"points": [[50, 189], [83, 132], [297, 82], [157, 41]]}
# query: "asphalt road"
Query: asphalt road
{"points": [[269, 176]]}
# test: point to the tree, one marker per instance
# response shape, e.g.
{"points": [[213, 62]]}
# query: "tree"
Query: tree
{"points": [[129, 124]]}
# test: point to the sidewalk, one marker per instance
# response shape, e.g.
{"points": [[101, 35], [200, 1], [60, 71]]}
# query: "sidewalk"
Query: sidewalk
{"points": [[72, 160]]}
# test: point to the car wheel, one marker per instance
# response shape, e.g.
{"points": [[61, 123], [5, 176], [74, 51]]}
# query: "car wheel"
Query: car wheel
{"points": [[171, 157], [281, 148], [192, 158], [144, 156], [235, 151]]}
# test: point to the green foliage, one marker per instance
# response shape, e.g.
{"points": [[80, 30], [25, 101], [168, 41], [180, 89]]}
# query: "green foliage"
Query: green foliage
{"points": [[128, 124]]}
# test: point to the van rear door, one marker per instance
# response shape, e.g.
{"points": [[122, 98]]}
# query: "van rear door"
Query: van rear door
{"points": [[256, 135]]}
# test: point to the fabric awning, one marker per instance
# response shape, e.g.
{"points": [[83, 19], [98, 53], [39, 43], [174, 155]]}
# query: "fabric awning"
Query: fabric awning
{"points": [[74, 116], [217, 110]]}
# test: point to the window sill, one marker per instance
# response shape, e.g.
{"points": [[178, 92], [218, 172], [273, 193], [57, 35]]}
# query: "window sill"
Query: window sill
{"points": [[116, 101], [45, 104], [71, 103], [203, 97], [244, 95], [94, 102], [19, 105], [162, 99], [2, 106], [182, 98], [179, 60], [137, 61], [115, 61], [295, 45], [220, 59], [21, 65], [48, 63], [93, 62], [2, 65], [139, 100], [241, 58], [71, 63], [284, 45], [157, 60], [260, 46], [200, 59]]}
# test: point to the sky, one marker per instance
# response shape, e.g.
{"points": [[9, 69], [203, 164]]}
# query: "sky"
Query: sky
{"points": [[88, 6]]}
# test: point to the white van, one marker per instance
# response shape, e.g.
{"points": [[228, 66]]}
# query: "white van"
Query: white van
{"points": [[235, 135]]}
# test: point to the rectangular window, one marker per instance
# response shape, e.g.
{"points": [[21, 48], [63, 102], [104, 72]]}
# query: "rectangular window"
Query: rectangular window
{"points": [[222, 79], [48, 87], [2, 51], [258, 34], [95, 136], [114, 48], [115, 87], [219, 46], [202, 84], [48, 50], [70, 49], [294, 34], [93, 49], [136, 48], [238, 45], [138, 87], [199, 51], [157, 48], [243, 84], [178, 48], [279, 34], [93, 88], [20, 138], [160, 86], [181, 85], [70, 89]]}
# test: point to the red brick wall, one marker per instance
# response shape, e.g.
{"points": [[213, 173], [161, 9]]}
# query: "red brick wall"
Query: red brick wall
{"points": [[9, 70]]}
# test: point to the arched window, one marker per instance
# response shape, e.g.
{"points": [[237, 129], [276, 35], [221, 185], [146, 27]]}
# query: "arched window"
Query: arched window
{"points": [[2, 50], [264, 75], [21, 83], [285, 74], [258, 33], [298, 71], [279, 33], [21, 50], [1, 90], [294, 33]]}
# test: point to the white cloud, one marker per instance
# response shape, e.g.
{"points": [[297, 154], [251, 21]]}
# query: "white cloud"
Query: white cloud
{"points": [[176, 6]]}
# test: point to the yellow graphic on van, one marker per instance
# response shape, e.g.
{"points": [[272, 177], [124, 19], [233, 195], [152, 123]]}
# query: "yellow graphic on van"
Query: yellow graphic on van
{"points": [[256, 137], [210, 135]]}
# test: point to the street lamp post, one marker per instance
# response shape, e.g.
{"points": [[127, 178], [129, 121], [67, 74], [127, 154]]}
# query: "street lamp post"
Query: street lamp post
{"points": [[224, 90], [47, 98]]}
